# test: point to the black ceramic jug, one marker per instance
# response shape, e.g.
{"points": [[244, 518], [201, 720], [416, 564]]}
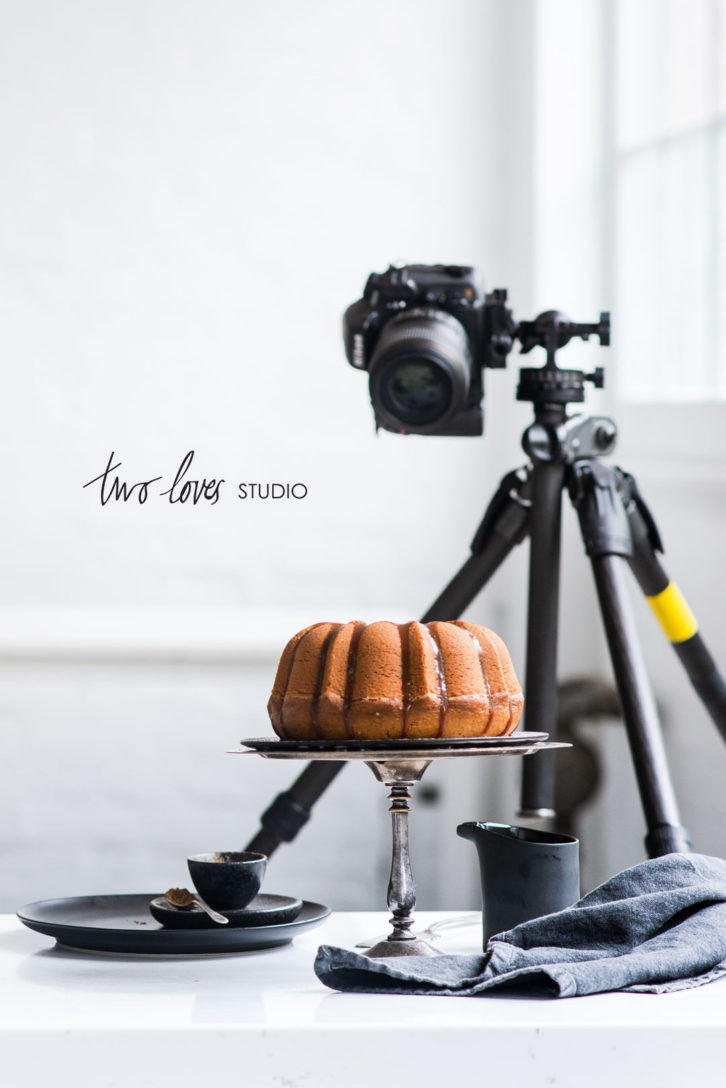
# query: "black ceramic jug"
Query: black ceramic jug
{"points": [[524, 873]]}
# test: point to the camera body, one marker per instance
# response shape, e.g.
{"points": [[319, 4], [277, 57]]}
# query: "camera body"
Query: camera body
{"points": [[425, 333]]}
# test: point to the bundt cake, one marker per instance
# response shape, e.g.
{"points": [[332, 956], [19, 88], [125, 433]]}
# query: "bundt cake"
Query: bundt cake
{"points": [[384, 681]]}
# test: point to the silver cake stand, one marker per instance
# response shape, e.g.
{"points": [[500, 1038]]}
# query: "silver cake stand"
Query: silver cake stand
{"points": [[399, 765]]}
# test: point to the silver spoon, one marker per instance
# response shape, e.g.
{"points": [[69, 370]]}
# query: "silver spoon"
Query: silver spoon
{"points": [[184, 900]]}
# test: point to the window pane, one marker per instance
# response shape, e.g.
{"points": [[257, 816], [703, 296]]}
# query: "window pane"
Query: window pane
{"points": [[664, 335], [720, 270], [665, 79], [720, 41], [639, 35], [689, 97]]}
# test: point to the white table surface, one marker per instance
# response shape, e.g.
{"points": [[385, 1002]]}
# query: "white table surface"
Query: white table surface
{"points": [[263, 1018]]}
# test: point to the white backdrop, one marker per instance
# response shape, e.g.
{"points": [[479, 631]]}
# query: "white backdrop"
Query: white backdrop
{"points": [[192, 195]]}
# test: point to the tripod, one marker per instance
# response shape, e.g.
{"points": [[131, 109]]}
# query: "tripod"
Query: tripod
{"points": [[617, 530]]}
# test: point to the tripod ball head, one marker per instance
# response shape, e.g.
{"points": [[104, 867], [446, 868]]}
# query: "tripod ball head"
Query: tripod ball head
{"points": [[553, 329], [549, 384]]}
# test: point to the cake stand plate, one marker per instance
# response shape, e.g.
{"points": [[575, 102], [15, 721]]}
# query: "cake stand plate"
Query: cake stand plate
{"points": [[423, 748], [399, 765]]}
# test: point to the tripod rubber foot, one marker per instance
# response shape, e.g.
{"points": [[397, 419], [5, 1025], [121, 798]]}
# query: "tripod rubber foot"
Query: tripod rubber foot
{"points": [[667, 839]]}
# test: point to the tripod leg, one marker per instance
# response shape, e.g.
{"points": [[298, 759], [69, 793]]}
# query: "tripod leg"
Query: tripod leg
{"points": [[665, 835], [606, 534], [673, 614], [504, 524], [291, 809], [537, 796]]}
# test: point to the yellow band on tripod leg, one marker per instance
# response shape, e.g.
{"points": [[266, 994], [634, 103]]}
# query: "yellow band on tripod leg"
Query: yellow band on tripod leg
{"points": [[673, 614]]}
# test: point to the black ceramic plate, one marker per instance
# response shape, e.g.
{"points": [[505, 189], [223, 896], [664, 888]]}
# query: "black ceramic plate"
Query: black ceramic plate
{"points": [[267, 744], [264, 910], [123, 923]]}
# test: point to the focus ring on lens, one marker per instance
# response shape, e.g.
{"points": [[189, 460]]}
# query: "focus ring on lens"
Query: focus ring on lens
{"points": [[433, 327], [417, 341]]}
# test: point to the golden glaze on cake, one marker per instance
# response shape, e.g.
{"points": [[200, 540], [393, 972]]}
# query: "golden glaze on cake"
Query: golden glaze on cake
{"points": [[383, 681]]}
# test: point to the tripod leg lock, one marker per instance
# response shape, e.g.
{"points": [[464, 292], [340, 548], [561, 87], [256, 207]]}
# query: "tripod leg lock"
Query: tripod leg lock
{"points": [[603, 518], [641, 519], [667, 839], [285, 817]]}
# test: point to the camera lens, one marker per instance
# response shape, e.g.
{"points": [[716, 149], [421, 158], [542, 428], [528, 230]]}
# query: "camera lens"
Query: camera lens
{"points": [[418, 392], [420, 370]]}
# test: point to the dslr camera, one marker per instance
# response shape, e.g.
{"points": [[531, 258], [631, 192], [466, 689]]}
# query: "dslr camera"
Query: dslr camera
{"points": [[425, 333]]}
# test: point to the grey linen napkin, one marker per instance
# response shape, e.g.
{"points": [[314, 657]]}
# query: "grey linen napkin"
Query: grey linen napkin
{"points": [[656, 927]]}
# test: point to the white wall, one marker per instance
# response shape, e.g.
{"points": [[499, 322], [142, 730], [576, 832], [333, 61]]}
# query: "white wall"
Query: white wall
{"points": [[192, 195]]}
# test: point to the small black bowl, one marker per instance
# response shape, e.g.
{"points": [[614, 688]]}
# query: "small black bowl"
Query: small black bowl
{"points": [[227, 880]]}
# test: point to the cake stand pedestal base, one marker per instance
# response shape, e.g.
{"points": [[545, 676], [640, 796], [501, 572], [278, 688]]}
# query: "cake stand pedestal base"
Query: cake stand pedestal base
{"points": [[411, 946], [399, 775]]}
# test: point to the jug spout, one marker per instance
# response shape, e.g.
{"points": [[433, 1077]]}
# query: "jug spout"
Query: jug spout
{"points": [[471, 831]]}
